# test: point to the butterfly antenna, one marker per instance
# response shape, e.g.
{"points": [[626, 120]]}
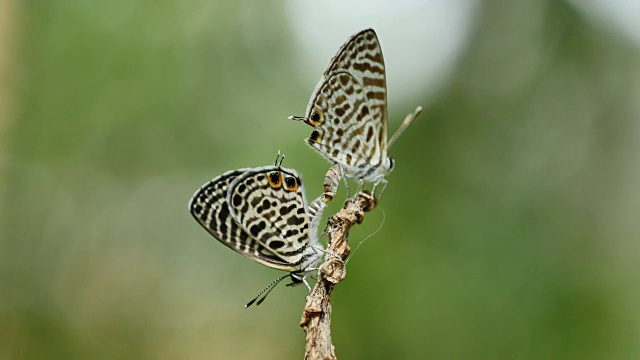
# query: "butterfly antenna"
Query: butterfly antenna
{"points": [[281, 160], [407, 121], [266, 291]]}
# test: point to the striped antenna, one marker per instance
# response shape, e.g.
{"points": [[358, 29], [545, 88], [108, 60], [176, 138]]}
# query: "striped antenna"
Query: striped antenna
{"points": [[405, 124]]}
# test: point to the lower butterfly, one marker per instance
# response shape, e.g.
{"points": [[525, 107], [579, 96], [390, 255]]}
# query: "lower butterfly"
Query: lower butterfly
{"points": [[262, 213]]}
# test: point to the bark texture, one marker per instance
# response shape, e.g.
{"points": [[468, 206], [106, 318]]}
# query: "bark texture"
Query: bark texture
{"points": [[316, 317]]}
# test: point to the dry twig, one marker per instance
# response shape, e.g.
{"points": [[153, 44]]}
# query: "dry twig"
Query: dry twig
{"points": [[316, 317]]}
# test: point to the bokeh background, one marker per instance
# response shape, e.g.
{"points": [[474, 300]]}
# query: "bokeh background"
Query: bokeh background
{"points": [[509, 229]]}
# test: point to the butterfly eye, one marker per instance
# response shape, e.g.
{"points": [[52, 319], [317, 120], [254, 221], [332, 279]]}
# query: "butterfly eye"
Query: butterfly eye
{"points": [[392, 164], [291, 184], [275, 179], [316, 117], [315, 137]]}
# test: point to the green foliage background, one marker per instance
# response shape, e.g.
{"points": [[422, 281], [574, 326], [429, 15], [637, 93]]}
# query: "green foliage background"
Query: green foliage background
{"points": [[510, 223]]}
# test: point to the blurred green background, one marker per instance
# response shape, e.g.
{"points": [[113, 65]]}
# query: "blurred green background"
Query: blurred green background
{"points": [[511, 222]]}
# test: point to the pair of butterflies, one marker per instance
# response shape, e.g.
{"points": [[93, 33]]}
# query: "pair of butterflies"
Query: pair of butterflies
{"points": [[262, 213]]}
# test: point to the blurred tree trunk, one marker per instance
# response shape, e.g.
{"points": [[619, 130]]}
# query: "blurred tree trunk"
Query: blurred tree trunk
{"points": [[8, 30]]}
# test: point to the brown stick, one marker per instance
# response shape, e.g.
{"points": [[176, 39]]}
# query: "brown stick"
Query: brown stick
{"points": [[316, 317]]}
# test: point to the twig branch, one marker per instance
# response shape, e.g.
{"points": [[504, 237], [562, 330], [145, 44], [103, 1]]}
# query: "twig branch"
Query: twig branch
{"points": [[316, 317]]}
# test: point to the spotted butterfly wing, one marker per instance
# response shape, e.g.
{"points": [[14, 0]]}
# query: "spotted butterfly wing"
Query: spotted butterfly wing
{"points": [[210, 208], [269, 203], [348, 109]]}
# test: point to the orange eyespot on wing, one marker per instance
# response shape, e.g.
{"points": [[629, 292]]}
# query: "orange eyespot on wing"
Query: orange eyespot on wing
{"points": [[316, 137], [316, 118], [275, 179], [291, 183]]}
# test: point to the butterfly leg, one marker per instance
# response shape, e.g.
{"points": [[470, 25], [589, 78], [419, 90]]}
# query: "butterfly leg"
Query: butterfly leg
{"points": [[360, 185], [346, 184], [326, 252], [304, 280], [384, 183], [297, 278]]}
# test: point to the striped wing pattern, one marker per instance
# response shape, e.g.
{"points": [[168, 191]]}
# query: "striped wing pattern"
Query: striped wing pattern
{"points": [[270, 203], [348, 108], [213, 208]]}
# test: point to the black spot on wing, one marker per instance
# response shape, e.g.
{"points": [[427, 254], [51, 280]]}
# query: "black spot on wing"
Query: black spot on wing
{"points": [[237, 200], [284, 210], [294, 220], [314, 136], [276, 244], [255, 230]]}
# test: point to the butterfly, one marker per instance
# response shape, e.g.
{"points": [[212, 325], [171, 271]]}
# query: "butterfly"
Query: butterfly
{"points": [[261, 213], [348, 111]]}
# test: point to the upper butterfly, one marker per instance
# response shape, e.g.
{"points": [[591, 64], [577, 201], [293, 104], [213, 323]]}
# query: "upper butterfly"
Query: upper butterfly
{"points": [[348, 111], [261, 213]]}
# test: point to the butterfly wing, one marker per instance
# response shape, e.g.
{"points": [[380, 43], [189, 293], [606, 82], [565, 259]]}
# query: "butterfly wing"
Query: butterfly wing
{"points": [[209, 207], [269, 204], [348, 108]]}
